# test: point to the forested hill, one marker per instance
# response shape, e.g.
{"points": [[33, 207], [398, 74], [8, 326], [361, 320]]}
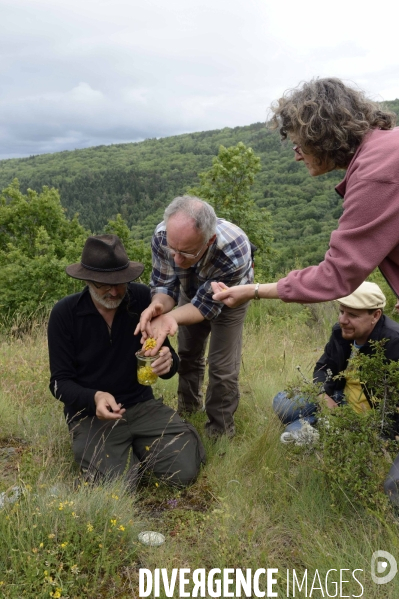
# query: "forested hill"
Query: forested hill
{"points": [[137, 180]]}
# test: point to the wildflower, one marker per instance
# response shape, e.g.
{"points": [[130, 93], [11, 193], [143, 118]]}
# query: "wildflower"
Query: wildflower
{"points": [[51, 536], [41, 545], [147, 448], [74, 569], [121, 527], [149, 343], [115, 497], [74, 515], [113, 522], [90, 527], [61, 507], [63, 545], [156, 484]]}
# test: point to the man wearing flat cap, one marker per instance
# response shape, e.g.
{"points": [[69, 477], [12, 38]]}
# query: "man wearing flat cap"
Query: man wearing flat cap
{"points": [[361, 320], [116, 424]]}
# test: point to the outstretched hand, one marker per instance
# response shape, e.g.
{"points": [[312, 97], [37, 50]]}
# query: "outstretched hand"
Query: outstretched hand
{"points": [[231, 296], [144, 327], [161, 327]]}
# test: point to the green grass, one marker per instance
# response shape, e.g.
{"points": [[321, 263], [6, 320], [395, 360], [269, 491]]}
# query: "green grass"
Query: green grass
{"points": [[257, 504]]}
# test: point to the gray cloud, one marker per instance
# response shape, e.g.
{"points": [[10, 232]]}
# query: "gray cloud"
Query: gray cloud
{"points": [[80, 73]]}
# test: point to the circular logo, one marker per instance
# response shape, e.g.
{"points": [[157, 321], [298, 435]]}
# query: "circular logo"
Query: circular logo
{"points": [[380, 560]]}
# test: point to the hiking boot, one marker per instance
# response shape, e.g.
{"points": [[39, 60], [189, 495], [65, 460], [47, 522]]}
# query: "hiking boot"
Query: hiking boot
{"points": [[307, 435], [215, 433]]}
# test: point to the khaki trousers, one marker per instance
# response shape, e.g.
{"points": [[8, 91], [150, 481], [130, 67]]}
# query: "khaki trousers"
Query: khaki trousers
{"points": [[224, 361]]}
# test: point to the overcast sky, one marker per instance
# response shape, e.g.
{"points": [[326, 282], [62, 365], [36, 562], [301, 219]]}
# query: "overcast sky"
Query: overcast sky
{"points": [[80, 73]]}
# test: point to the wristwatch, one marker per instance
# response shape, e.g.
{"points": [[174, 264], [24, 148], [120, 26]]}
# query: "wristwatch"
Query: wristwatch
{"points": [[256, 296]]}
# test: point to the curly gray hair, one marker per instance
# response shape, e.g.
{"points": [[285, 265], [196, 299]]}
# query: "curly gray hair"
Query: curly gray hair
{"points": [[329, 119]]}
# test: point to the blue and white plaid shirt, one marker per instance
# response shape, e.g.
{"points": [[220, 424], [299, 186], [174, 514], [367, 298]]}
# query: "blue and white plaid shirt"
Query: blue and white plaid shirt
{"points": [[228, 260]]}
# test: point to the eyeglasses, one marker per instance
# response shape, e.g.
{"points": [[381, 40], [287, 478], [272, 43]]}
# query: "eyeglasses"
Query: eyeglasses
{"points": [[105, 286], [172, 252], [297, 149]]}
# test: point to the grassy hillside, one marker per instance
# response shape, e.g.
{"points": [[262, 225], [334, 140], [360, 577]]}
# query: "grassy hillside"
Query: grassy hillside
{"points": [[257, 504], [139, 179]]}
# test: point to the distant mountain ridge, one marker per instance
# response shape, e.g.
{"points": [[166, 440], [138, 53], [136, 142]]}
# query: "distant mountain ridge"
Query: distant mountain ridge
{"points": [[138, 180]]}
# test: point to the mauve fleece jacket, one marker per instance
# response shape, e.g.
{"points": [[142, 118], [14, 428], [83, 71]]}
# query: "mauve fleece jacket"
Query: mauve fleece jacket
{"points": [[368, 230]]}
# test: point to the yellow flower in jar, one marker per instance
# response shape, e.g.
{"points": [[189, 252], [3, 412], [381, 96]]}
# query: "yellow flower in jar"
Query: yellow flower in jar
{"points": [[146, 375]]}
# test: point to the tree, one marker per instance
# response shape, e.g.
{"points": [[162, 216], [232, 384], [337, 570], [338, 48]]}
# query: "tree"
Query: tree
{"points": [[139, 251], [226, 186], [37, 242]]}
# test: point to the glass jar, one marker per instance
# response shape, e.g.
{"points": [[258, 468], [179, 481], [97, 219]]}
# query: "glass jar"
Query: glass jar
{"points": [[145, 374]]}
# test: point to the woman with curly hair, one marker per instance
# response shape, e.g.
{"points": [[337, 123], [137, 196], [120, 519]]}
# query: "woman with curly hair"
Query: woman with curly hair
{"points": [[333, 126]]}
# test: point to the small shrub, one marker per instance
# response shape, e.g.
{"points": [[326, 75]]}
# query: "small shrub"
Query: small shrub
{"points": [[354, 449]]}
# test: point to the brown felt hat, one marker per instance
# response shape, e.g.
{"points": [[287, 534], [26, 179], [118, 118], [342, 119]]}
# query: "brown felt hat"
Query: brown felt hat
{"points": [[104, 260]]}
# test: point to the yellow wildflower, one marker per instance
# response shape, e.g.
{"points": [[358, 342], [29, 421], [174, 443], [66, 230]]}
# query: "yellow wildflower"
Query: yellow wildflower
{"points": [[149, 343], [90, 527]]}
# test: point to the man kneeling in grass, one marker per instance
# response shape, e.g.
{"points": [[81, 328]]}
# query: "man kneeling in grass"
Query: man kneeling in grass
{"points": [[361, 320], [116, 425]]}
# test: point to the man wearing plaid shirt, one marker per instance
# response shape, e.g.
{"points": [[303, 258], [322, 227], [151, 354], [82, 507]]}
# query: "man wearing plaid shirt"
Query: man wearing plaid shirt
{"points": [[191, 248]]}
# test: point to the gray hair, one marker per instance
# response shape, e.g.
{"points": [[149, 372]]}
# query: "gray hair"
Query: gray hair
{"points": [[200, 212]]}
